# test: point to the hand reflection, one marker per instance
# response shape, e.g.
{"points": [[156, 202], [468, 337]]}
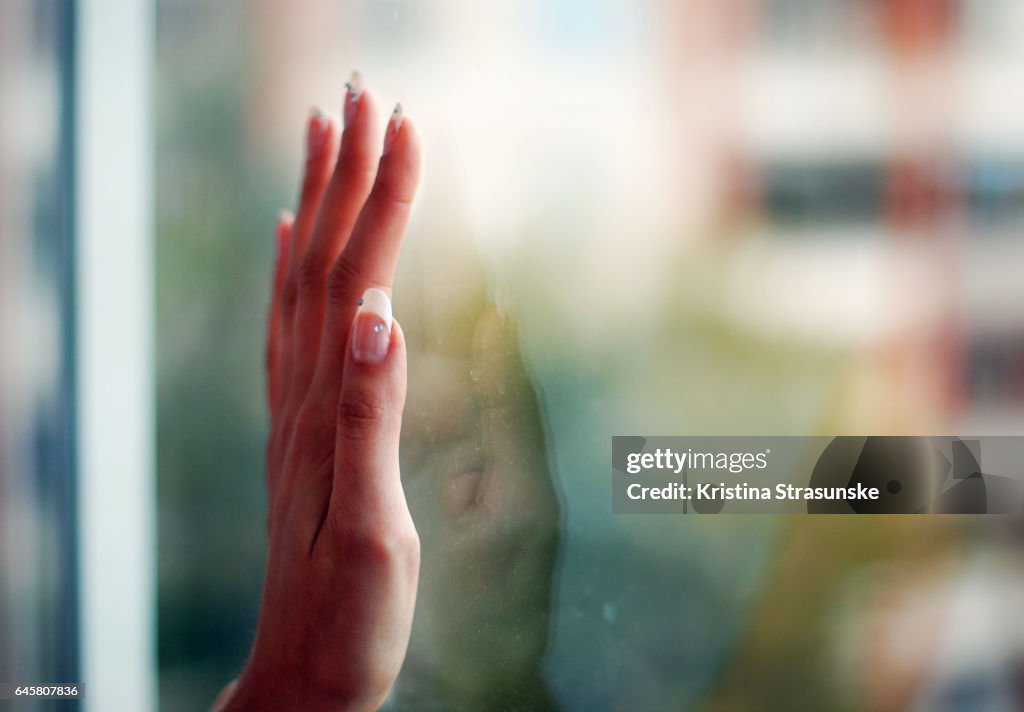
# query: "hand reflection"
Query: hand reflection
{"points": [[479, 486]]}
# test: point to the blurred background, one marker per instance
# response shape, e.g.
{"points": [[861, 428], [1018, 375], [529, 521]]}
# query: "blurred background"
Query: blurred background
{"points": [[686, 217]]}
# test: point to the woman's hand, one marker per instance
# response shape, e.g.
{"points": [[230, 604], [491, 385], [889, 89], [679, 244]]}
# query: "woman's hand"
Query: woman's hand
{"points": [[343, 559], [477, 475], [480, 484]]}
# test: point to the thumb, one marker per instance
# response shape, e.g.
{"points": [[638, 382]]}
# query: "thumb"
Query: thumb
{"points": [[370, 409]]}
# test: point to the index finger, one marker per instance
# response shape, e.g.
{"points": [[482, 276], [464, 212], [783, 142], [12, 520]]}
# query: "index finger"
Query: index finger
{"points": [[371, 254]]}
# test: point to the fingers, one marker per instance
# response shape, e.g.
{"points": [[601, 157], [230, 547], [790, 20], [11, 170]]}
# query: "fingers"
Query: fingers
{"points": [[363, 211], [369, 416], [369, 258], [501, 378], [353, 177], [321, 152], [344, 197], [321, 149], [511, 427], [273, 355]]}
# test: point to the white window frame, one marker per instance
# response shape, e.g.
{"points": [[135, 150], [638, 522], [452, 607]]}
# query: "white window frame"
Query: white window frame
{"points": [[114, 54]]}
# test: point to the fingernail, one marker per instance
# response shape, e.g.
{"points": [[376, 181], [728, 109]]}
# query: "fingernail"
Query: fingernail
{"points": [[394, 126], [371, 328], [316, 134], [353, 93]]}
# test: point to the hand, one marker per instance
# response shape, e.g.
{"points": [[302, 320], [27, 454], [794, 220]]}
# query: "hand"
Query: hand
{"points": [[477, 474], [343, 558]]}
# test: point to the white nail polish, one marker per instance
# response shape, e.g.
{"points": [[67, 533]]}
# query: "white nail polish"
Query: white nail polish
{"points": [[353, 90], [371, 327], [316, 133], [376, 301], [354, 87], [394, 126]]}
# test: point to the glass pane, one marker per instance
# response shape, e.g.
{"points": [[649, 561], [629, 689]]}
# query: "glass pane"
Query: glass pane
{"points": [[737, 217], [38, 610]]}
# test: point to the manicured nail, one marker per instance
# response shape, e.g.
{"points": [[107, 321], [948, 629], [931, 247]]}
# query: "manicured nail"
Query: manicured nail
{"points": [[316, 134], [371, 328], [284, 221], [353, 93], [394, 126]]}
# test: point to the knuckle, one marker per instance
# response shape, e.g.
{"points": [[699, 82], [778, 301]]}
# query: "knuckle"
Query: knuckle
{"points": [[343, 276], [388, 547], [360, 413], [312, 270], [389, 198], [311, 433], [356, 164], [289, 294]]}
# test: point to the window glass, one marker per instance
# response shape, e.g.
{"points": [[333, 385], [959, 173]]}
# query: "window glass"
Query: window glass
{"points": [[38, 610], [739, 217]]}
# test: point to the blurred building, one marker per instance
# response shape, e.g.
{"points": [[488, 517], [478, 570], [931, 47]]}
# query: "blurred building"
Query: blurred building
{"points": [[38, 558], [887, 135]]}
